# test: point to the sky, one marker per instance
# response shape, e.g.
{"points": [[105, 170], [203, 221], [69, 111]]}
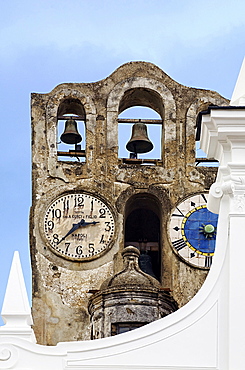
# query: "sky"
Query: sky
{"points": [[199, 43]]}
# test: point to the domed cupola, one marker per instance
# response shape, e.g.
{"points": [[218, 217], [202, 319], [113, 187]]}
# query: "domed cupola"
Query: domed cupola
{"points": [[129, 299]]}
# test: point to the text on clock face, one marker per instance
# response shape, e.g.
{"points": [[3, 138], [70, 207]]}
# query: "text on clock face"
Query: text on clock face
{"points": [[77, 216]]}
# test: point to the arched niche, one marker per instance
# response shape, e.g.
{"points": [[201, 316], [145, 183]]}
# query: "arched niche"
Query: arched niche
{"points": [[140, 105], [139, 91], [142, 229], [71, 105], [200, 104], [126, 122], [58, 104], [71, 108], [142, 96]]}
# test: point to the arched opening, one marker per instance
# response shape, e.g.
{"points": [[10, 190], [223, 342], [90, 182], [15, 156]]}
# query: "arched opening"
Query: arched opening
{"points": [[73, 110], [142, 230], [145, 106], [201, 157]]}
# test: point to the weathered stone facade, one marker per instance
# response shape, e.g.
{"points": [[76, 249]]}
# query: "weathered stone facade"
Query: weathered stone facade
{"points": [[62, 287]]}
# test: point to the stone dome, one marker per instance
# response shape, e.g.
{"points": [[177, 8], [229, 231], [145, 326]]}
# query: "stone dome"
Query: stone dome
{"points": [[131, 275]]}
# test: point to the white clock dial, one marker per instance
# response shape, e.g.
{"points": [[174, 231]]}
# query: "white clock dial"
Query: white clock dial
{"points": [[193, 231], [79, 226]]}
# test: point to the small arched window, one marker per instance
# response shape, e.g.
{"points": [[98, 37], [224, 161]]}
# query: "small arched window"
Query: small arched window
{"points": [[140, 106], [71, 131], [128, 118]]}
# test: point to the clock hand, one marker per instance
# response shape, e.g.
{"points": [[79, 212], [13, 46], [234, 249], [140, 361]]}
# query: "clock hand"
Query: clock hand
{"points": [[76, 226], [90, 223]]}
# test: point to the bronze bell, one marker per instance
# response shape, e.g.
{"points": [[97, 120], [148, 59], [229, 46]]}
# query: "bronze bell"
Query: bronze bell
{"points": [[71, 134], [139, 142]]}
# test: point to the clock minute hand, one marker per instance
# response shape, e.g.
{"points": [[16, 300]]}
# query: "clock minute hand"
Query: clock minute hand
{"points": [[74, 228]]}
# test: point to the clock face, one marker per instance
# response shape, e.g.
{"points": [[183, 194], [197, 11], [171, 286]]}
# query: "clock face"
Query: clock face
{"points": [[193, 231], [79, 226]]}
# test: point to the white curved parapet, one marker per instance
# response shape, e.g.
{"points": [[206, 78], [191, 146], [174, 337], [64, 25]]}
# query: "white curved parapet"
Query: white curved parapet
{"points": [[186, 339]]}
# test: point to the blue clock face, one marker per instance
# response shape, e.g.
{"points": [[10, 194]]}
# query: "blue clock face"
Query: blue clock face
{"points": [[193, 231]]}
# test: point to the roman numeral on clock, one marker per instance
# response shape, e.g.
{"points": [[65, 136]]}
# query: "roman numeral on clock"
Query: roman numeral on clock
{"points": [[179, 244], [204, 198], [208, 261], [179, 214]]}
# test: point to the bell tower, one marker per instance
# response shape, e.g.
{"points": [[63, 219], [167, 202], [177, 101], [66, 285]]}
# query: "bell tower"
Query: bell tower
{"points": [[89, 205]]}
